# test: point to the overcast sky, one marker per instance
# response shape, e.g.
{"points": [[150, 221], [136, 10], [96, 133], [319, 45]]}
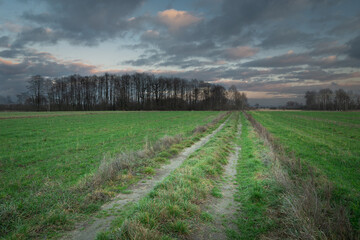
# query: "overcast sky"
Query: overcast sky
{"points": [[274, 50]]}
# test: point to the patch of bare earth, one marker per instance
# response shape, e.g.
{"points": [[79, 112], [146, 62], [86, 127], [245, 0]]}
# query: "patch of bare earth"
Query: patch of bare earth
{"points": [[223, 210], [89, 229]]}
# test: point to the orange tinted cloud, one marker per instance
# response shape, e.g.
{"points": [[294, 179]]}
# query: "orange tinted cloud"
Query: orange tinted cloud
{"points": [[175, 19], [329, 59], [267, 95], [7, 62], [241, 52], [133, 70]]}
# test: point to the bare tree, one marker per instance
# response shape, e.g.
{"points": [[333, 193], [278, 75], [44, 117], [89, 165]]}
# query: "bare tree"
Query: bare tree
{"points": [[36, 89], [342, 100], [128, 92]]}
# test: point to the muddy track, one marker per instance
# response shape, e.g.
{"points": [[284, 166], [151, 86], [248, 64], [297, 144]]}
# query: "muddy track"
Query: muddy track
{"points": [[88, 230], [222, 209]]}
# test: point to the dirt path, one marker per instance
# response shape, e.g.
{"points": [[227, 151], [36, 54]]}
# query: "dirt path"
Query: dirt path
{"points": [[222, 209], [89, 229]]}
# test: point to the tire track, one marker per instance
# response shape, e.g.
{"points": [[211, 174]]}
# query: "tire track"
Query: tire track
{"points": [[89, 229], [224, 209]]}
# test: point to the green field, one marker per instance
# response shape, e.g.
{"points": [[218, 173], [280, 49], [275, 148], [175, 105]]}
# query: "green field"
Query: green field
{"points": [[328, 141], [303, 184], [4, 115], [42, 158]]}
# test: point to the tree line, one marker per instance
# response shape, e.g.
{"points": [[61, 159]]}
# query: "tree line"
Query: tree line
{"points": [[326, 99], [138, 91]]}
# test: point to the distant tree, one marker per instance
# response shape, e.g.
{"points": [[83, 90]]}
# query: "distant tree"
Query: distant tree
{"points": [[232, 94], [342, 100], [293, 105], [325, 98], [22, 98], [310, 97], [138, 91], [218, 97], [236, 100], [36, 90], [242, 101]]}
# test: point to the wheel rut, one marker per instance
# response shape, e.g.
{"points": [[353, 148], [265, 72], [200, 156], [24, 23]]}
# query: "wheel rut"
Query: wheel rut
{"points": [[89, 229], [222, 209]]}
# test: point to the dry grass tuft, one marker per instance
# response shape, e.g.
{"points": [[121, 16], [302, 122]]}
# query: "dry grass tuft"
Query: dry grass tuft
{"points": [[110, 167], [204, 128], [98, 195], [199, 129], [136, 231]]}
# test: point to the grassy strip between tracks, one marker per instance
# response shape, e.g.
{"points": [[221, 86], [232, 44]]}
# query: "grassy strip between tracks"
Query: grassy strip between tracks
{"points": [[61, 206], [171, 209], [258, 192]]}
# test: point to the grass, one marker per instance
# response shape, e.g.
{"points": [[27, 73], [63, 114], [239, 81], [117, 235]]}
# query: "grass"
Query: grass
{"points": [[43, 160], [329, 143], [171, 209], [258, 192], [50, 114]]}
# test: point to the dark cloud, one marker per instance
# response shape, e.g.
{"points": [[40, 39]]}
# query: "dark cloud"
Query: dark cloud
{"points": [[173, 53], [238, 15], [285, 60], [37, 35], [354, 48], [88, 21], [349, 25], [323, 76], [13, 75], [4, 41], [324, 55], [280, 37], [10, 53], [235, 27], [328, 48]]}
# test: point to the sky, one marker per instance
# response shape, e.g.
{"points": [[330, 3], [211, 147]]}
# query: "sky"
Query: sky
{"points": [[273, 50]]}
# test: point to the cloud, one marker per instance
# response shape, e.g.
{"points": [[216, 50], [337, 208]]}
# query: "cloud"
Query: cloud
{"points": [[87, 22], [241, 52], [354, 48], [8, 67], [176, 20], [324, 76], [10, 53], [13, 74], [11, 27], [350, 25], [180, 54], [239, 15], [4, 41], [150, 34], [324, 55], [37, 35], [285, 36], [329, 48], [285, 60]]}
